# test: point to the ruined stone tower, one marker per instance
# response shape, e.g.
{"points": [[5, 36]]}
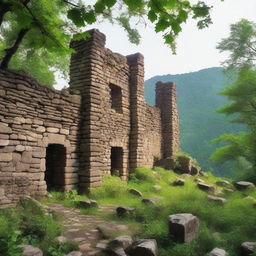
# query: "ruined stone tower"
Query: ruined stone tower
{"points": [[62, 140]]}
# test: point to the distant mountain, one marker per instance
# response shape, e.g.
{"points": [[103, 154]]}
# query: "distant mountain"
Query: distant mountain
{"points": [[198, 99]]}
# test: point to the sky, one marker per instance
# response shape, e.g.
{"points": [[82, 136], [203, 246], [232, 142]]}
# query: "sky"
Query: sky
{"points": [[196, 49]]}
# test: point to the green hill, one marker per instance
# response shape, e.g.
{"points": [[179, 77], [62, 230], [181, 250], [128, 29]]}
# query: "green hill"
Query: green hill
{"points": [[198, 99]]}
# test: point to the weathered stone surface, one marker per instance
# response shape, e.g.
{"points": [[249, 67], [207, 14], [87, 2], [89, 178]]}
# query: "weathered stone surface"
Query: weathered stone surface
{"points": [[4, 142], [29, 250], [217, 252], [222, 183], [183, 227], [123, 211], [216, 199], [87, 204], [135, 192], [143, 247], [205, 187], [4, 129], [5, 157], [241, 185], [148, 201], [74, 253], [118, 245], [179, 182], [248, 248]]}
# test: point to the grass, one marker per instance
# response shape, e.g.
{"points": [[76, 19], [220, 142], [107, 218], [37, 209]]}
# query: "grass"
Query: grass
{"points": [[30, 225]]}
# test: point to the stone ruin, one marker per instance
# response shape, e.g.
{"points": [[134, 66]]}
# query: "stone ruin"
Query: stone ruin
{"points": [[68, 139]]}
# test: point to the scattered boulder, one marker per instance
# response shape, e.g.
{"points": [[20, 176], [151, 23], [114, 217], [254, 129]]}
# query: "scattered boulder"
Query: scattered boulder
{"points": [[183, 227], [74, 253], [143, 247], [248, 248], [242, 185], [123, 211], [216, 199], [29, 250], [157, 187], [87, 204], [222, 183], [121, 241], [198, 180], [186, 164], [179, 182], [228, 190], [135, 192], [148, 201], [205, 187], [217, 252]]}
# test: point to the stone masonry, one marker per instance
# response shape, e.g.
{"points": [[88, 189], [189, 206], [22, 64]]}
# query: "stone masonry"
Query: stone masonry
{"points": [[69, 139]]}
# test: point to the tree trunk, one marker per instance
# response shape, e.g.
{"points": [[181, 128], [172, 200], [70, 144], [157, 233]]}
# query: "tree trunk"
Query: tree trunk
{"points": [[4, 8], [11, 51]]}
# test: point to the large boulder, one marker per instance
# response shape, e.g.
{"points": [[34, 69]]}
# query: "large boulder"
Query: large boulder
{"points": [[29, 250], [183, 227], [118, 245], [242, 185], [143, 247], [217, 252], [123, 211], [135, 192], [248, 248]]}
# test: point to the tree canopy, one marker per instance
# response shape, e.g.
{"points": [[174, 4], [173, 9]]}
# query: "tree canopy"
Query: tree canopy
{"points": [[35, 34], [241, 44]]}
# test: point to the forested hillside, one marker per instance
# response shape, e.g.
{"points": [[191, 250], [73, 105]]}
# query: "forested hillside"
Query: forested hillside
{"points": [[198, 99]]}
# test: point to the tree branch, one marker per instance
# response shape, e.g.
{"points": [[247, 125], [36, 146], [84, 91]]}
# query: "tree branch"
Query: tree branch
{"points": [[11, 51]]}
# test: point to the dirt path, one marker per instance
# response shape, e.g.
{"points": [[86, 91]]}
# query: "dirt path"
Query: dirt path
{"points": [[83, 228]]}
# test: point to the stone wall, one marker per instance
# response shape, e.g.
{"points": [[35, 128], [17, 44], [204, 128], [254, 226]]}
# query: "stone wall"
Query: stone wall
{"points": [[33, 116], [64, 139]]}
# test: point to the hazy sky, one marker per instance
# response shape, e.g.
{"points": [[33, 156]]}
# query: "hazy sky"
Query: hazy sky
{"points": [[196, 49]]}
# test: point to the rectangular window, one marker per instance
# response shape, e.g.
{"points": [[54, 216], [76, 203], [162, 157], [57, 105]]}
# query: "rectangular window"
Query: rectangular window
{"points": [[116, 98]]}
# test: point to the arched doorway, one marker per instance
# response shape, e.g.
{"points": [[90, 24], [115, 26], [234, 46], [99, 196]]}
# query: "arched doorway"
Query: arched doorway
{"points": [[55, 167]]}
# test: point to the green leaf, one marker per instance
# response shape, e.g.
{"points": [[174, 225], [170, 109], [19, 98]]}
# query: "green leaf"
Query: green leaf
{"points": [[109, 3], [170, 4], [75, 15], [152, 16], [161, 25], [183, 15], [89, 17], [81, 36], [176, 28], [99, 7]]}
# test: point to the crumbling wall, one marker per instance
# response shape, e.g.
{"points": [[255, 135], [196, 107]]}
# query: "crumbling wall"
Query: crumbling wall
{"points": [[33, 116]]}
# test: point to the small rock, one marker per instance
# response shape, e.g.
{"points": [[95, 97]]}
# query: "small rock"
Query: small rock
{"points": [[198, 180], [241, 185], [217, 252], [61, 239], [29, 250], [183, 227], [48, 195], [121, 241], [135, 192], [220, 200], [157, 187], [179, 182], [248, 248], [206, 187], [228, 190], [75, 253], [143, 247], [87, 204], [222, 183], [148, 201], [123, 211]]}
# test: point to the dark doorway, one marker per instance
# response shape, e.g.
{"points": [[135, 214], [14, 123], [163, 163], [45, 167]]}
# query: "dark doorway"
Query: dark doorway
{"points": [[55, 166], [116, 161]]}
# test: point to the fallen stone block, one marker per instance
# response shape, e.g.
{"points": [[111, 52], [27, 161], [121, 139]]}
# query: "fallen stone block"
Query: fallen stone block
{"points": [[87, 204], [135, 192], [248, 248], [242, 185], [216, 199], [123, 211], [148, 201], [222, 183], [217, 252], [206, 187], [143, 247], [183, 227]]}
